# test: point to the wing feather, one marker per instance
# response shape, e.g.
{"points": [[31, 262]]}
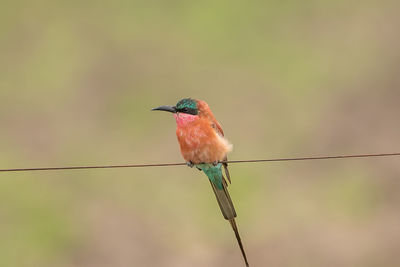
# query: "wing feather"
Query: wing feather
{"points": [[218, 129]]}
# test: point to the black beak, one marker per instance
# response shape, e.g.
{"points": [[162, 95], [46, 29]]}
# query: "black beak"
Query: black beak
{"points": [[166, 108]]}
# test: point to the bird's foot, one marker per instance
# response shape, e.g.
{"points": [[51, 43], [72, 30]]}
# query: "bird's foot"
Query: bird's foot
{"points": [[215, 163], [190, 164]]}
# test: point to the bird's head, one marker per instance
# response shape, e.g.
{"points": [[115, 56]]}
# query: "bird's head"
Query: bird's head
{"points": [[186, 106], [185, 111]]}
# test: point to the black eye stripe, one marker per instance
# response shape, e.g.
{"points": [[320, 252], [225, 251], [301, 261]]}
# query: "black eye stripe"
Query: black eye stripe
{"points": [[187, 110]]}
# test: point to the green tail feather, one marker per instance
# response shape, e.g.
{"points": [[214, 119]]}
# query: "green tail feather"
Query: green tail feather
{"points": [[213, 173]]}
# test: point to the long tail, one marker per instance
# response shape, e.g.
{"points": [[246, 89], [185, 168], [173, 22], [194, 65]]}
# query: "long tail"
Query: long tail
{"points": [[228, 210], [235, 229], [224, 200]]}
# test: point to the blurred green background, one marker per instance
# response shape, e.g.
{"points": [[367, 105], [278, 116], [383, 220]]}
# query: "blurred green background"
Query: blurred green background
{"points": [[284, 78]]}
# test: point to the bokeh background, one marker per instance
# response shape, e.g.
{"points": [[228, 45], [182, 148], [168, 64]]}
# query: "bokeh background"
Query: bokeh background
{"points": [[284, 78]]}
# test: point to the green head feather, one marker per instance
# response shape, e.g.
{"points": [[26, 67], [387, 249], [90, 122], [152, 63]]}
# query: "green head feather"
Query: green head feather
{"points": [[187, 105]]}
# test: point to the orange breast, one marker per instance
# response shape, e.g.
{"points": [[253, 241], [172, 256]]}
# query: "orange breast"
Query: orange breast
{"points": [[200, 143]]}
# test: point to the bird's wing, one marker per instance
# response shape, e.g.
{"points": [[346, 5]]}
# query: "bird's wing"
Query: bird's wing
{"points": [[226, 169], [217, 127]]}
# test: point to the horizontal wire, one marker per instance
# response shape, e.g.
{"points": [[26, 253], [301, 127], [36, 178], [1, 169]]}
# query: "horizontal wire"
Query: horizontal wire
{"points": [[181, 164]]}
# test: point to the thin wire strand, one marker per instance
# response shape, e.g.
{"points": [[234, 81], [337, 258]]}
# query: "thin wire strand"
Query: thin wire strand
{"points": [[181, 164]]}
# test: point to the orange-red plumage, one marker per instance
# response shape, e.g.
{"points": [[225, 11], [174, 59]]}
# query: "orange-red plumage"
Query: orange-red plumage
{"points": [[201, 140], [201, 137]]}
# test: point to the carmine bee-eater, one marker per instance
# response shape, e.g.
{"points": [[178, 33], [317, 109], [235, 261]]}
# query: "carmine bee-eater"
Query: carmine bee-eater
{"points": [[203, 146]]}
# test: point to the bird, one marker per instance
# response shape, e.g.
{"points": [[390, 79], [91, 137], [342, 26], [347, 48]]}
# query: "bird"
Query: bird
{"points": [[203, 146]]}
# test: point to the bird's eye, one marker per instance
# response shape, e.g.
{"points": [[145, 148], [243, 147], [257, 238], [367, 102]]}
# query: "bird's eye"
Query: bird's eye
{"points": [[185, 109]]}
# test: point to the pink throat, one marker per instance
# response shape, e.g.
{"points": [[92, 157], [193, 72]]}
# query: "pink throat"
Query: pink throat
{"points": [[182, 118]]}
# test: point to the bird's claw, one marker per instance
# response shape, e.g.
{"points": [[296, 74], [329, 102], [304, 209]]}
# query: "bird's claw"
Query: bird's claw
{"points": [[215, 163], [190, 164]]}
